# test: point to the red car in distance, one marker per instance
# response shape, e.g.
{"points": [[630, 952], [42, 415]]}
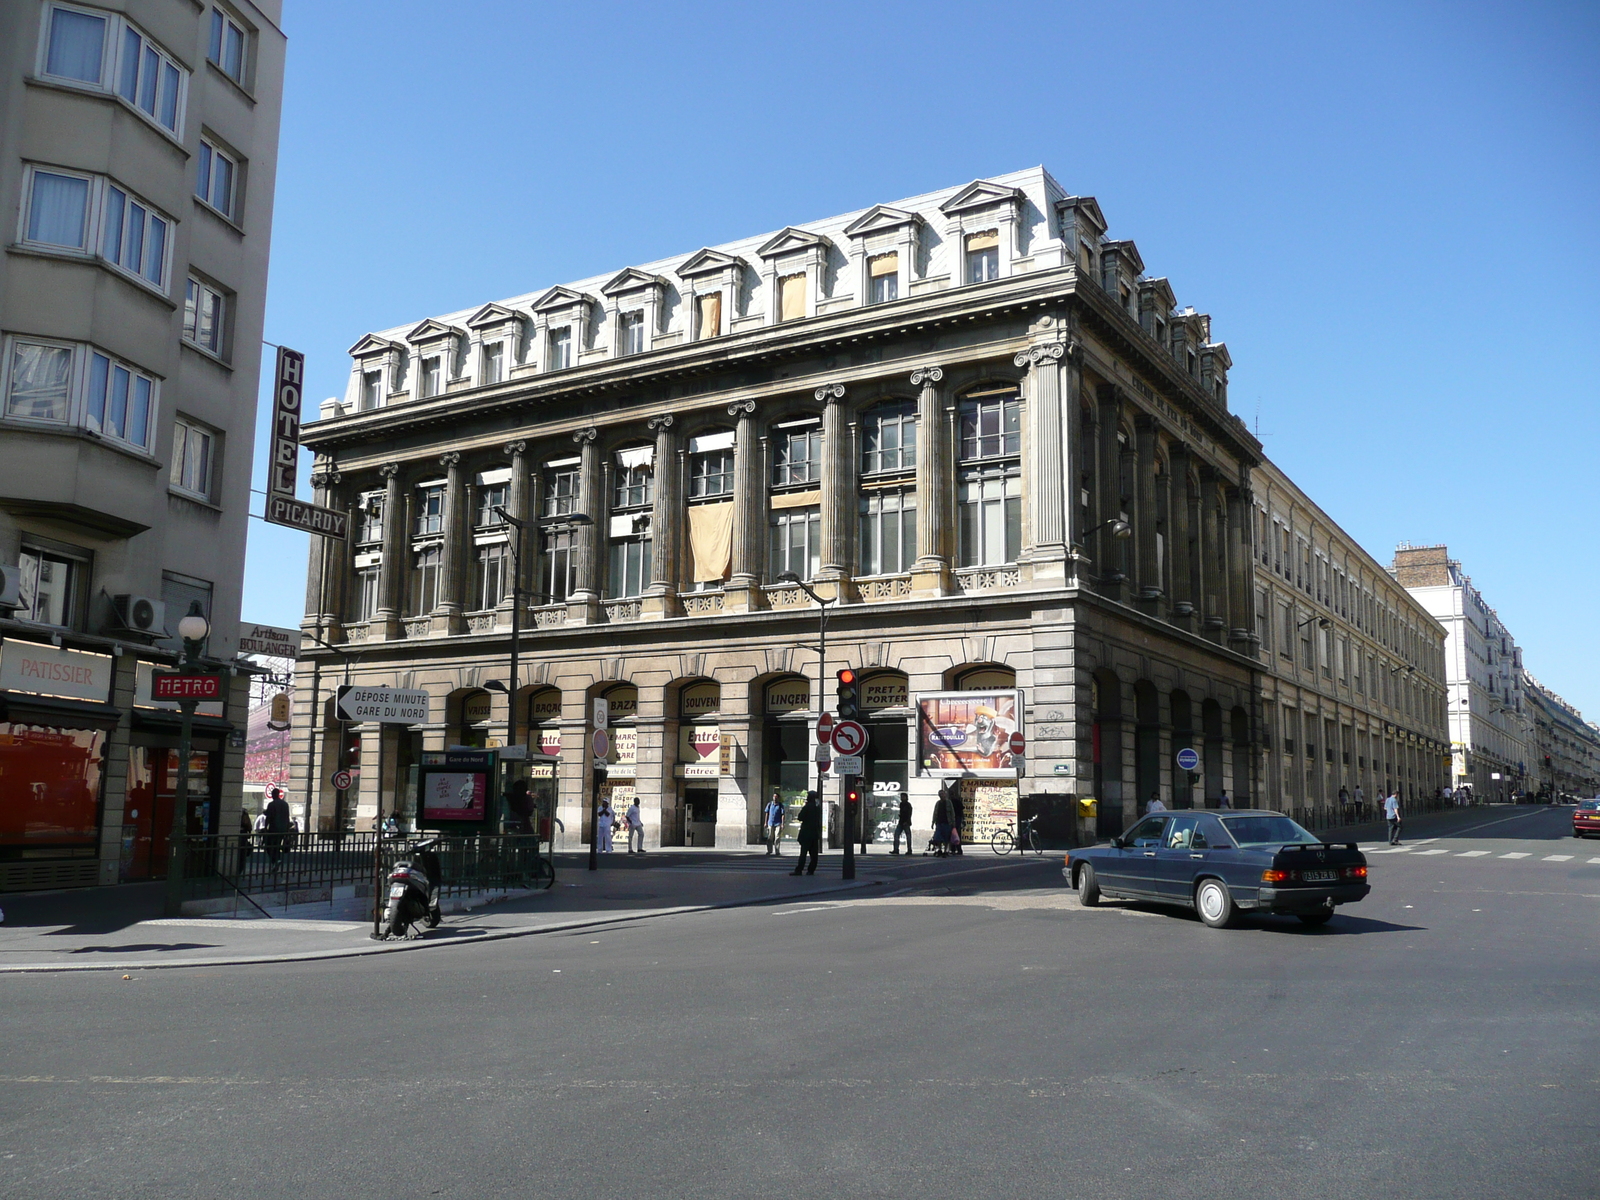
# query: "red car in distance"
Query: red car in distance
{"points": [[1586, 819]]}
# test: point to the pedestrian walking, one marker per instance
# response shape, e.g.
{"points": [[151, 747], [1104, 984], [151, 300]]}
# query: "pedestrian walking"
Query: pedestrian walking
{"points": [[957, 821], [810, 839], [1391, 813], [519, 807], [1224, 802], [1344, 804], [293, 842], [635, 824], [772, 819], [903, 825], [1360, 802], [1155, 804], [277, 818], [245, 844], [604, 821], [941, 824]]}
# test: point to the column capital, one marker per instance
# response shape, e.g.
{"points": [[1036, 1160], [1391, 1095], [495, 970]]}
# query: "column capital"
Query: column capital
{"points": [[513, 447], [740, 408], [830, 393], [664, 421], [1045, 352], [926, 375], [450, 458], [389, 470], [585, 436], [327, 478]]}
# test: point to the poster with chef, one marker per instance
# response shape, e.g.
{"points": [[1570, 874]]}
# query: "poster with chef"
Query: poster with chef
{"points": [[968, 733], [454, 795]]}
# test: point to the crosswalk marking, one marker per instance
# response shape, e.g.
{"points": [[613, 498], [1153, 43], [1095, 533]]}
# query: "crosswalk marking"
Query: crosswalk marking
{"points": [[1473, 854], [1396, 850], [1425, 853], [1558, 858], [1595, 860], [1516, 855]]}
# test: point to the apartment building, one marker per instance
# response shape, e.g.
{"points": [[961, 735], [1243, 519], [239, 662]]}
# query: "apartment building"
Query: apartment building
{"points": [[139, 147], [1566, 747]]}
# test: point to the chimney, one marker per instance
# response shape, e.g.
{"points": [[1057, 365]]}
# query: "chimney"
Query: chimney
{"points": [[1422, 566]]}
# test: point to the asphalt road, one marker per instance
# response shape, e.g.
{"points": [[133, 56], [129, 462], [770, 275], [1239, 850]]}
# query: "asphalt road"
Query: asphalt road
{"points": [[974, 1037]]}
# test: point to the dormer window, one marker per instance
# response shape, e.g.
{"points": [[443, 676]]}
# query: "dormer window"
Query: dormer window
{"points": [[630, 333], [983, 256], [884, 271], [371, 390], [1194, 363], [792, 297], [494, 362], [710, 306], [432, 376], [560, 356]]}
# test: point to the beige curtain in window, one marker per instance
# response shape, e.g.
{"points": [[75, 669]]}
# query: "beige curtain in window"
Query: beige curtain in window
{"points": [[710, 541], [793, 294], [987, 240], [809, 499], [885, 264], [711, 315]]}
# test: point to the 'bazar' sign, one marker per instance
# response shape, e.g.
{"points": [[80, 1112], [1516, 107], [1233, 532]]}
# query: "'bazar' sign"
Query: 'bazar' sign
{"points": [[48, 671]]}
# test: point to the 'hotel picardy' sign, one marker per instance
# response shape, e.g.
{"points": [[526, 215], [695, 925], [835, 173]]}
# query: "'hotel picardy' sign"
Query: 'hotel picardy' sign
{"points": [[283, 462]]}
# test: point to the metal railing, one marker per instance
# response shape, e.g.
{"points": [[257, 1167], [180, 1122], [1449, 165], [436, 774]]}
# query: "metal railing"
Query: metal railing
{"points": [[284, 869]]}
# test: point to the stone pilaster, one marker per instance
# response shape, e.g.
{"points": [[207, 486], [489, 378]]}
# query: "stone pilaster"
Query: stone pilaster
{"points": [[328, 572], [1049, 460], [742, 592], [838, 490], [392, 572], [935, 491], [1183, 602], [1241, 625], [583, 606], [1144, 528], [666, 525], [1108, 480], [1212, 606], [518, 505], [451, 601]]}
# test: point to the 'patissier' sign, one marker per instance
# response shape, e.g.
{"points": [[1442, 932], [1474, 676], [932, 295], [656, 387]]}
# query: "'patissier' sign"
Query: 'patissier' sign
{"points": [[48, 671]]}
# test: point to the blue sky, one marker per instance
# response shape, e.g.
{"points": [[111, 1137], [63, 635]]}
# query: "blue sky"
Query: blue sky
{"points": [[1388, 209]]}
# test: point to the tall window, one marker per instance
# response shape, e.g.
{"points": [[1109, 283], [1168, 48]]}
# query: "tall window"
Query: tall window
{"points": [[120, 401], [710, 305], [227, 45], [150, 80], [796, 454], [889, 438], [558, 567], [888, 530], [426, 564], [983, 256], [366, 592], [371, 390], [191, 458], [491, 573], [109, 54], [369, 520], [989, 489], [494, 362], [58, 210], [77, 45], [560, 356], [633, 478], [50, 586], [795, 541], [711, 465], [491, 495], [630, 556], [430, 510], [792, 297], [884, 272], [561, 488], [631, 333], [215, 176], [432, 375], [203, 310], [135, 238]]}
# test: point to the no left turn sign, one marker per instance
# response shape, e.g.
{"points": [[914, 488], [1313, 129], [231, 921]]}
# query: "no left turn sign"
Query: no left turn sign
{"points": [[849, 737]]}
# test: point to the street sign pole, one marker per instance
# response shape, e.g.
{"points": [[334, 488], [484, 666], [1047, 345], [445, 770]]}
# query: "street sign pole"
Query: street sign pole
{"points": [[602, 720]]}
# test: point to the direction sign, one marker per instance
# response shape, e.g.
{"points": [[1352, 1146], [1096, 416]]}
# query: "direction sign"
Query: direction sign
{"points": [[342, 779], [825, 727], [388, 706], [602, 743], [1018, 742], [1188, 759], [848, 764], [849, 737], [170, 686]]}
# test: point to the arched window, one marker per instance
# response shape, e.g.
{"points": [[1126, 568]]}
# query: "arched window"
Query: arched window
{"points": [[989, 482], [633, 490]]}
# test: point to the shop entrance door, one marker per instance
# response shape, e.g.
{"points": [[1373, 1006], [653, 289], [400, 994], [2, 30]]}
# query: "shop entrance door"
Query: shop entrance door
{"points": [[700, 817], [887, 770]]}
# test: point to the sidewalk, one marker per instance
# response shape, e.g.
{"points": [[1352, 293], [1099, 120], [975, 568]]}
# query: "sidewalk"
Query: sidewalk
{"points": [[122, 929], [1428, 825]]}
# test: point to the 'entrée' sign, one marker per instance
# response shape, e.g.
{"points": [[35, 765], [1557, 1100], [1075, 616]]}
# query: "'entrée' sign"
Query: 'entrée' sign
{"points": [[185, 687]]}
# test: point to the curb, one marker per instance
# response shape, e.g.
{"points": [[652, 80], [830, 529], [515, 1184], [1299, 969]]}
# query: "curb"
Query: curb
{"points": [[498, 935]]}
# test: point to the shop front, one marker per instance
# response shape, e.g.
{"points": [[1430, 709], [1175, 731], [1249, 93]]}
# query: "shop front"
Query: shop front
{"points": [[788, 746], [543, 726], [700, 762], [886, 713], [55, 721], [472, 730], [964, 740], [622, 759], [153, 762]]}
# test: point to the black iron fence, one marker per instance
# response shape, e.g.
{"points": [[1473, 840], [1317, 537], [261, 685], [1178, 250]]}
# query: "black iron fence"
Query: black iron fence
{"points": [[283, 869]]}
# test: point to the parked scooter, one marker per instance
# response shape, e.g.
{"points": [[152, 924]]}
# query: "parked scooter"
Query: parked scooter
{"points": [[414, 891]]}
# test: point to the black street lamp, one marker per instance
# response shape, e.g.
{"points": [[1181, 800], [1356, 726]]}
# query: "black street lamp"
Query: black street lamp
{"points": [[193, 630], [822, 693]]}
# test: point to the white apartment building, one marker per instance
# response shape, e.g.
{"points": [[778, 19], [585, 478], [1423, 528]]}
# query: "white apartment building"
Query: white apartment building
{"points": [[1491, 724]]}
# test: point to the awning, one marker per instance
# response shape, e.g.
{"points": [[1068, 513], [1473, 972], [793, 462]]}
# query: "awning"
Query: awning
{"points": [[24, 709], [160, 720]]}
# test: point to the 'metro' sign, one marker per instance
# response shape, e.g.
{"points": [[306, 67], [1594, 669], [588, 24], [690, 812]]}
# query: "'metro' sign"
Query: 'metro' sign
{"points": [[170, 686]]}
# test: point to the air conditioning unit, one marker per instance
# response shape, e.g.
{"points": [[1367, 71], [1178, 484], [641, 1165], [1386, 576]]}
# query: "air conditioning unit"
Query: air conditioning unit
{"points": [[140, 614], [10, 587]]}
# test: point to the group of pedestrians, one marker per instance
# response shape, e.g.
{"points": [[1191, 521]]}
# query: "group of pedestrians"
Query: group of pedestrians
{"points": [[633, 822], [275, 831]]}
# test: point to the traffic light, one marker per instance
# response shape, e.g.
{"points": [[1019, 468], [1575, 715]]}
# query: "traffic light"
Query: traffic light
{"points": [[852, 795], [848, 706]]}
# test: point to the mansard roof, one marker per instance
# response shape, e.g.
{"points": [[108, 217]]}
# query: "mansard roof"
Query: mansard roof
{"points": [[432, 330], [371, 344], [880, 218], [1090, 207], [491, 314], [631, 279], [560, 297], [1129, 251], [980, 193], [790, 240], [706, 260]]}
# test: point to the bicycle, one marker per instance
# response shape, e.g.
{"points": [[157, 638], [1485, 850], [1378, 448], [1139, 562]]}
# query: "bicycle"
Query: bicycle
{"points": [[1007, 839]]}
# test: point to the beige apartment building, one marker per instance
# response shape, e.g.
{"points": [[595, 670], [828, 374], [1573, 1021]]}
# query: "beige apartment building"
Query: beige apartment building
{"points": [[1353, 686], [138, 150], [967, 419]]}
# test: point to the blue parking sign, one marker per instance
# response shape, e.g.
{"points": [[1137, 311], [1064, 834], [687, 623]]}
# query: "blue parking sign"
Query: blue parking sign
{"points": [[1188, 759]]}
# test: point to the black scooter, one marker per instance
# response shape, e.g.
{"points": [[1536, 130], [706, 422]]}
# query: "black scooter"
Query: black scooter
{"points": [[414, 892]]}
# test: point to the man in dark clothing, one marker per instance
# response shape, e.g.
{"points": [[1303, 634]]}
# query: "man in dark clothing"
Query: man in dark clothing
{"points": [[956, 824], [244, 840], [810, 838], [277, 814], [941, 824], [904, 825]]}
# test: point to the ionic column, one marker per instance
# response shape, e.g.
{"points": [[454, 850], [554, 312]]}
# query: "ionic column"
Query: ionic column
{"points": [[1149, 574], [1240, 626], [742, 591], [329, 561], [1049, 461], [392, 571], [517, 504], [931, 574], [666, 515], [838, 487], [583, 606], [451, 601]]}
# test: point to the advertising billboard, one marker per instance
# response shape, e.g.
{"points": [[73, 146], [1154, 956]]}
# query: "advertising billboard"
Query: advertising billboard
{"points": [[968, 733], [455, 785]]}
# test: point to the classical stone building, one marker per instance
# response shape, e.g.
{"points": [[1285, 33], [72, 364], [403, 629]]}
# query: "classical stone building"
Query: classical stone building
{"points": [[1354, 667], [967, 419], [1491, 727], [1566, 747], [140, 148]]}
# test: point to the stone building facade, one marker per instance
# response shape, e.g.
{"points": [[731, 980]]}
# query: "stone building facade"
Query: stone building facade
{"points": [[140, 150], [1566, 747], [1491, 726], [967, 419], [1353, 666]]}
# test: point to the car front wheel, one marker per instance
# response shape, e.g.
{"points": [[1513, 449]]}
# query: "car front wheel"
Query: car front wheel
{"points": [[1214, 904], [1088, 887]]}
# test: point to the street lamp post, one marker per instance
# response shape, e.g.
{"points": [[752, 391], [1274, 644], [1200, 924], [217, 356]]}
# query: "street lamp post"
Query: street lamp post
{"points": [[516, 619], [822, 695], [193, 630]]}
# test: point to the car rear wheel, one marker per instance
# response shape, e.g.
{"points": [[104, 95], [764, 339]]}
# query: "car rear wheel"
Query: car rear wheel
{"points": [[1213, 903], [1088, 887], [1321, 917]]}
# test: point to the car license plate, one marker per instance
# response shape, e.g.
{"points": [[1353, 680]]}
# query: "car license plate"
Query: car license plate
{"points": [[397, 891], [1319, 876]]}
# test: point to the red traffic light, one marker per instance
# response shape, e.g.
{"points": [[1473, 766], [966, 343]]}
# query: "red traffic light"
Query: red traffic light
{"points": [[853, 796], [847, 676]]}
